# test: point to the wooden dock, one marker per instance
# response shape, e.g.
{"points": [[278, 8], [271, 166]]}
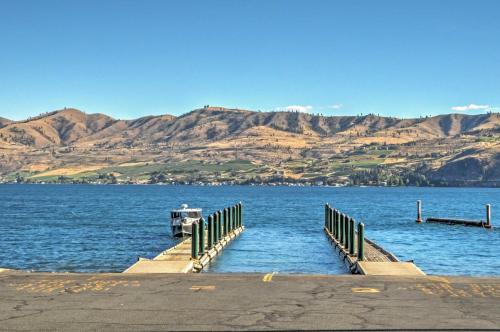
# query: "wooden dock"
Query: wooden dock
{"points": [[205, 243], [361, 255], [377, 261], [178, 258], [454, 221]]}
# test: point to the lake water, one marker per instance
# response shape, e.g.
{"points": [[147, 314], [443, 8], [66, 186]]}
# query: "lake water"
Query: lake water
{"points": [[105, 228]]}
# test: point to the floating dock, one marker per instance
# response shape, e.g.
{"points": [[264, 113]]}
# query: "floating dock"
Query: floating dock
{"points": [[362, 255], [453, 221], [194, 253]]}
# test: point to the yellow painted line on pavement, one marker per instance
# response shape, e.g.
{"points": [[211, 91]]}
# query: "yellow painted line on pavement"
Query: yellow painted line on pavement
{"points": [[365, 290], [202, 288], [268, 277]]}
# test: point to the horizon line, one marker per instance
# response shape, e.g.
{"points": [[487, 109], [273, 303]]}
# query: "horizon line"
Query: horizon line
{"points": [[224, 108]]}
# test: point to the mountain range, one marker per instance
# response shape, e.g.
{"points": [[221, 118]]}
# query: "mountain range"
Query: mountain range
{"points": [[68, 144]]}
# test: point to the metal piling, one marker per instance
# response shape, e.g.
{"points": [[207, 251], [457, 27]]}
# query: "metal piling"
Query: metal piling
{"points": [[194, 240], [361, 241]]}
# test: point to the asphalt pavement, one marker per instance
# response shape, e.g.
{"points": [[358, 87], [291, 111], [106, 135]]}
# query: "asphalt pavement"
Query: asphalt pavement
{"points": [[205, 301]]}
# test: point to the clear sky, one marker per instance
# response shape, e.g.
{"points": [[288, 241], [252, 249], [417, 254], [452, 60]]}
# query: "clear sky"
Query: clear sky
{"points": [[134, 58]]}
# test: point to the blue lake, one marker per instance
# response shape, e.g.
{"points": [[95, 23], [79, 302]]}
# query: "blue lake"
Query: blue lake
{"points": [[105, 228]]}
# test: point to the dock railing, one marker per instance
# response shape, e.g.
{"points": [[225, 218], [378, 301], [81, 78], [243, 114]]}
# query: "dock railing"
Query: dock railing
{"points": [[221, 224], [343, 229], [362, 255]]}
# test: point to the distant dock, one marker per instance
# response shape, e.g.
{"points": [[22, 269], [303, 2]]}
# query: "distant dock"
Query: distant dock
{"points": [[362, 255], [194, 253], [454, 221]]}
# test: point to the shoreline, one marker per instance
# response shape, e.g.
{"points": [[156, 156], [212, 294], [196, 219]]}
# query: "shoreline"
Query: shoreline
{"points": [[208, 184]]}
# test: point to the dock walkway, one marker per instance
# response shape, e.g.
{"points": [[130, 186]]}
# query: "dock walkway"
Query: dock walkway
{"points": [[373, 259], [178, 259], [182, 258]]}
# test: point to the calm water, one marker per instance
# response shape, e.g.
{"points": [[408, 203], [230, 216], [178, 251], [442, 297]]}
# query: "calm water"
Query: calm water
{"points": [[105, 228]]}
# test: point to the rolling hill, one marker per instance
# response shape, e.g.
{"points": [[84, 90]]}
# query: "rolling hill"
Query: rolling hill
{"points": [[4, 122], [454, 149]]}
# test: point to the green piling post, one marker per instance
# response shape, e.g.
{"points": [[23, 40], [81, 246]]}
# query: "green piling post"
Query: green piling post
{"points": [[217, 227], [210, 230], [335, 212], [241, 215], [332, 222], [214, 217], [234, 215], [338, 226], [349, 239], [326, 215], [237, 223], [342, 217], [347, 242], [221, 222], [237, 215], [201, 229], [234, 221], [223, 228], [361, 242], [221, 225], [195, 233], [330, 219], [226, 225], [347, 223], [232, 212], [225, 214], [352, 224], [346, 232]]}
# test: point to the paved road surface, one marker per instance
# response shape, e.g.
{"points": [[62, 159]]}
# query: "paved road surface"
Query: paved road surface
{"points": [[205, 301]]}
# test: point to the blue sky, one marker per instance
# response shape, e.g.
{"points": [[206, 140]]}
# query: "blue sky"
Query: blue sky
{"points": [[134, 58]]}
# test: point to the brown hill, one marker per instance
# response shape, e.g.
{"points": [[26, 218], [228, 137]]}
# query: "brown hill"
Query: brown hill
{"points": [[218, 123], [73, 127], [452, 146], [4, 122], [477, 165], [57, 128]]}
